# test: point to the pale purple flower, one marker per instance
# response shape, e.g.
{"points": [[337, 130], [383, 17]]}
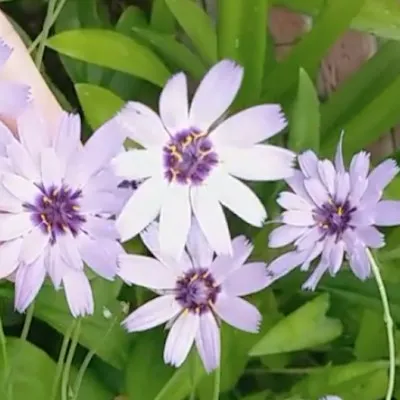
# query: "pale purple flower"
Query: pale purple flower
{"points": [[56, 197], [330, 397], [195, 293], [13, 96], [191, 160], [332, 213]]}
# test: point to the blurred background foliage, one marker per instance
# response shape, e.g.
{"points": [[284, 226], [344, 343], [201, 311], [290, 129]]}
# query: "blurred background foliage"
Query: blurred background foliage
{"points": [[101, 53]]}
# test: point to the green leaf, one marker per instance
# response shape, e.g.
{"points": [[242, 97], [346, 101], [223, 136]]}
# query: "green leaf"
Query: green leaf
{"points": [[379, 17], [91, 388], [174, 52], [331, 22], [305, 328], [305, 119], [51, 307], [131, 17], [32, 370], [356, 380], [198, 26], [112, 50], [162, 20], [98, 104]]}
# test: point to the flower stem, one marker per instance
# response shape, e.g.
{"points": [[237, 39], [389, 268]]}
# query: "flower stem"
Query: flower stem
{"points": [[68, 362], [389, 324], [6, 366], [60, 361], [86, 361], [217, 382], [193, 376], [28, 321]]}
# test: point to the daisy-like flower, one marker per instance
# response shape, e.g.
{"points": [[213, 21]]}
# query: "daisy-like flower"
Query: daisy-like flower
{"points": [[13, 96], [56, 197], [332, 212], [190, 163], [195, 293]]}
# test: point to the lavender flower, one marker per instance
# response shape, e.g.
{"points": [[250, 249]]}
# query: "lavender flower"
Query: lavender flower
{"points": [[13, 96], [332, 212], [330, 397], [194, 293], [56, 197], [191, 164]]}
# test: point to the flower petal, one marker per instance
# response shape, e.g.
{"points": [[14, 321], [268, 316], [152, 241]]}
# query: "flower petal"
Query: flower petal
{"points": [[309, 238], [387, 213], [211, 219], [22, 162], [308, 163], [198, 247], [224, 264], [14, 225], [285, 234], [8, 202], [28, 281], [5, 52], [151, 314], [336, 257], [258, 163], [69, 251], [14, 98], [138, 164], [175, 218], [98, 227], [55, 265], [327, 174], [249, 278], [208, 342], [142, 208], [238, 198], [215, 94], [359, 167], [146, 271], [238, 313], [50, 168], [298, 218], [296, 183], [289, 200], [142, 125], [312, 282], [78, 292], [370, 236], [316, 191], [174, 104], [358, 259], [100, 255], [339, 164], [21, 188], [362, 217], [6, 138], [9, 256], [342, 187], [180, 339], [250, 126], [34, 244]]}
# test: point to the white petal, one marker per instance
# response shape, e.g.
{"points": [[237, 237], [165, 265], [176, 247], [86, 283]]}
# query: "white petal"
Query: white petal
{"points": [[14, 225], [21, 188], [69, 250], [174, 107], [292, 201], [298, 218], [55, 265], [180, 338], [317, 191], [285, 234], [258, 163], [146, 271], [215, 94], [22, 161], [175, 218], [210, 216], [34, 244], [142, 208], [327, 174], [138, 164], [153, 313], [8, 202], [236, 196], [9, 255], [142, 125], [198, 247], [250, 126], [51, 168]]}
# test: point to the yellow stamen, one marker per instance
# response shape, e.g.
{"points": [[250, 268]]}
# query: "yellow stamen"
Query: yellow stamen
{"points": [[193, 278], [46, 200], [197, 310], [185, 311], [76, 208], [187, 141], [64, 227], [340, 211]]}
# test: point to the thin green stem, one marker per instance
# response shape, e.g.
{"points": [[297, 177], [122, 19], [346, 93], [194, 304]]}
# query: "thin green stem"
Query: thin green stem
{"points": [[6, 365], [193, 376], [389, 324], [45, 32], [60, 361], [53, 19], [68, 362], [87, 359], [28, 321], [217, 383]]}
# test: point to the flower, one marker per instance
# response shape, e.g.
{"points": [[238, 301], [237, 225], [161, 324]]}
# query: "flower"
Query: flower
{"points": [[195, 293], [191, 163], [56, 197], [332, 212], [14, 96], [330, 397]]}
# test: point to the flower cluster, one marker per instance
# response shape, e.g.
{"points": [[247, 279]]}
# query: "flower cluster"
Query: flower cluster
{"points": [[65, 206]]}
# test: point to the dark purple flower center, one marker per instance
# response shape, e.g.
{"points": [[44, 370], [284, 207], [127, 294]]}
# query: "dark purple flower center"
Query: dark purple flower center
{"points": [[129, 184], [333, 217], [197, 290], [189, 157], [56, 210]]}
